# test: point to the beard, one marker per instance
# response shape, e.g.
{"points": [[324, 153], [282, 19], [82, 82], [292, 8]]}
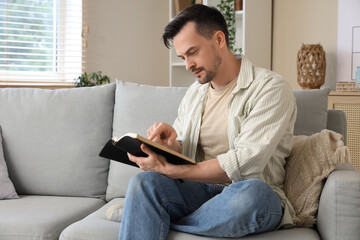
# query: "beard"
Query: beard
{"points": [[210, 74]]}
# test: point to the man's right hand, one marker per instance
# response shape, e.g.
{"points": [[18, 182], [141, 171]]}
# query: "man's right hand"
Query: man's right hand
{"points": [[165, 135]]}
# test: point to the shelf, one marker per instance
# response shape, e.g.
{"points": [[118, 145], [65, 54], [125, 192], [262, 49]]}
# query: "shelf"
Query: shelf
{"points": [[253, 35], [344, 93], [178, 64]]}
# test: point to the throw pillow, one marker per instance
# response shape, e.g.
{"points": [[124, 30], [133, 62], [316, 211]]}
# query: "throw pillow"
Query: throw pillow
{"points": [[7, 190], [312, 111], [312, 159]]}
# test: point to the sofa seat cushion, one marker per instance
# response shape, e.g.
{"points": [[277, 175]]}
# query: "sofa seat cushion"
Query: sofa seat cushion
{"points": [[96, 226], [42, 217], [293, 234]]}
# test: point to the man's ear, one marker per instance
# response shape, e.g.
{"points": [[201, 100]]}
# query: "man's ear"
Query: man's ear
{"points": [[220, 39]]}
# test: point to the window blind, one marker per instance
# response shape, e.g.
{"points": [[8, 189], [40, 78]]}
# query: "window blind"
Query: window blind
{"points": [[42, 41]]}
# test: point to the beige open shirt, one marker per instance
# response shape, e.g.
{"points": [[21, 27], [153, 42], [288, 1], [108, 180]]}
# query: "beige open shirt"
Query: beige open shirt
{"points": [[261, 118]]}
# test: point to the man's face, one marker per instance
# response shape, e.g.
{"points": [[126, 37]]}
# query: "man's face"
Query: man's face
{"points": [[199, 53]]}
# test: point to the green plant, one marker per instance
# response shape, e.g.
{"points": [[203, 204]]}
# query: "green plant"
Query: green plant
{"points": [[92, 79], [226, 7]]}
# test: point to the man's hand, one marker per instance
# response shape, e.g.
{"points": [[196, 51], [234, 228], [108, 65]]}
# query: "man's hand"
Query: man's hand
{"points": [[154, 162], [165, 135], [208, 171]]}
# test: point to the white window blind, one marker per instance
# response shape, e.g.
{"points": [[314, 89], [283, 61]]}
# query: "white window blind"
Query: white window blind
{"points": [[41, 41]]}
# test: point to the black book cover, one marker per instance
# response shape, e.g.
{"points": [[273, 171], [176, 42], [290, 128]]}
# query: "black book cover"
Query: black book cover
{"points": [[116, 149]]}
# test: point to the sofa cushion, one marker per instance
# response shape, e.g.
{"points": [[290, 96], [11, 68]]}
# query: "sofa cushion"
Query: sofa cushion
{"points": [[293, 234], [42, 217], [137, 107], [312, 111], [53, 139], [7, 190], [95, 227], [312, 159], [337, 122]]}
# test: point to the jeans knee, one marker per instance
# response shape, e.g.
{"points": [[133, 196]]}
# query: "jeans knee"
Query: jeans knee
{"points": [[257, 193], [257, 204], [144, 179]]}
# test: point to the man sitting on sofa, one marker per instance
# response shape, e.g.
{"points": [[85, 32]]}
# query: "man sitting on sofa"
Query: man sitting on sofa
{"points": [[237, 122]]}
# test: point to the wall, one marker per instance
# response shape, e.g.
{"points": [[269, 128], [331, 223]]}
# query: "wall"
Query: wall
{"points": [[124, 40], [304, 21]]}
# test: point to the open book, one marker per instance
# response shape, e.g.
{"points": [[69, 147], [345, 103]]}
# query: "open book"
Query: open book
{"points": [[116, 149]]}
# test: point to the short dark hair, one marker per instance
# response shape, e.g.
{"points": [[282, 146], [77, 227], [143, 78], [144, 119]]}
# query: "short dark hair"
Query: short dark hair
{"points": [[207, 20]]}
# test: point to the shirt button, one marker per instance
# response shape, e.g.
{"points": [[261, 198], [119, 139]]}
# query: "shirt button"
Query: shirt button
{"points": [[266, 138]]}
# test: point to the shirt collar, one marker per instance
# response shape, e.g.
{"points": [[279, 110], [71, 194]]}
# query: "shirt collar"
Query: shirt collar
{"points": [[246, 74]]}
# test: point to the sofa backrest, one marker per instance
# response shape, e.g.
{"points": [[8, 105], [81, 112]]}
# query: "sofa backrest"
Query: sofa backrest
{"points": [[137, 107], [148, 104], [313, 114], [312, 111], [52, 139], [337, 122]]}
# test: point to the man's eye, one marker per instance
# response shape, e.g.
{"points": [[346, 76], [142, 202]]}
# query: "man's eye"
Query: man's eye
{"points": [[192, 53]]}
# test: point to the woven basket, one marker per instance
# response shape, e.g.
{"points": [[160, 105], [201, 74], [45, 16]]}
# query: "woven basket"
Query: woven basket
{"points": [[311, 66]]}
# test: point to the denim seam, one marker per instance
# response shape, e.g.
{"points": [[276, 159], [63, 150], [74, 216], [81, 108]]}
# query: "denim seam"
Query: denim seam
{"points": [[162, 227], [261, 219], [174, 201]]}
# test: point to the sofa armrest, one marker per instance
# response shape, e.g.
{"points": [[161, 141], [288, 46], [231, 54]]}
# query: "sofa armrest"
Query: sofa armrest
{"points": [[339, 208], [337, 122]]}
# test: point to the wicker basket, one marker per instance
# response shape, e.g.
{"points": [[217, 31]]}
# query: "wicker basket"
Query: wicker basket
{"points": [[311, 66]]}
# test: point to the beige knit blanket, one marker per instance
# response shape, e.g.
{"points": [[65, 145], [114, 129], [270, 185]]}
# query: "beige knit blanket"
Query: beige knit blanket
{"points": [[311, 161]]}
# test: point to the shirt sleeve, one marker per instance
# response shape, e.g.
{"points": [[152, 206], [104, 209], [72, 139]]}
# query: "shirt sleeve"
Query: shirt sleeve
{"points": [[268, 117], [179, 121]]}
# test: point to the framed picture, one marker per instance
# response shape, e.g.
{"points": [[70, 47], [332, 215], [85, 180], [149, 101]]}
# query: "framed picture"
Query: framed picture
{"points": [[348, 48]]}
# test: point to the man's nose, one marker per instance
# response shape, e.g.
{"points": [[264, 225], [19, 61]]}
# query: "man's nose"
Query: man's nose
{"points": [[189, 64]]}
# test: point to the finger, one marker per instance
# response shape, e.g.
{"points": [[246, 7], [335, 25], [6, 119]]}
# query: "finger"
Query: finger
{"points": [[172, 138], [156, 132], [151, 129], [148, 132], [131, 157], [143, 168], [138, 160], [159, 140], [146, 149]]}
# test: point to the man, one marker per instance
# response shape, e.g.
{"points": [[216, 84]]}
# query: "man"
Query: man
{"points": [[237, 122]]}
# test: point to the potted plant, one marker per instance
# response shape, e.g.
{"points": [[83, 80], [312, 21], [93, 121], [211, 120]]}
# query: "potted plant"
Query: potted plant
{"points": [[92, 79], [226, 7]]}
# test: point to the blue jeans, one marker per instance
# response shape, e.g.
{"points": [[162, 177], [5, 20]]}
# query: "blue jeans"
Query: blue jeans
{"points": [[155, 203]]}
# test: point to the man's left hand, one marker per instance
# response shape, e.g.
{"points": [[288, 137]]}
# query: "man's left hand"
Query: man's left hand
{"points": [[153, 162]]}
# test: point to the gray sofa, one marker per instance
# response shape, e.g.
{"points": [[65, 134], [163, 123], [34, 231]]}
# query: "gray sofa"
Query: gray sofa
{"points": [[51, 142]]}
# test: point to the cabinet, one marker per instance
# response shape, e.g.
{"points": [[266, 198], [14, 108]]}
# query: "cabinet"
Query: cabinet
{"points": [[349, 102], [253, 35]]}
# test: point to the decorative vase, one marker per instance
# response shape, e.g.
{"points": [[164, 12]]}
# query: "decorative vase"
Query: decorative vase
{"points": [[357, 81], [311, 66]]}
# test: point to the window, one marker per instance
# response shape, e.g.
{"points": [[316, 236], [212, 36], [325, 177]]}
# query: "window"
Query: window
{"points": [[41, 41]]}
